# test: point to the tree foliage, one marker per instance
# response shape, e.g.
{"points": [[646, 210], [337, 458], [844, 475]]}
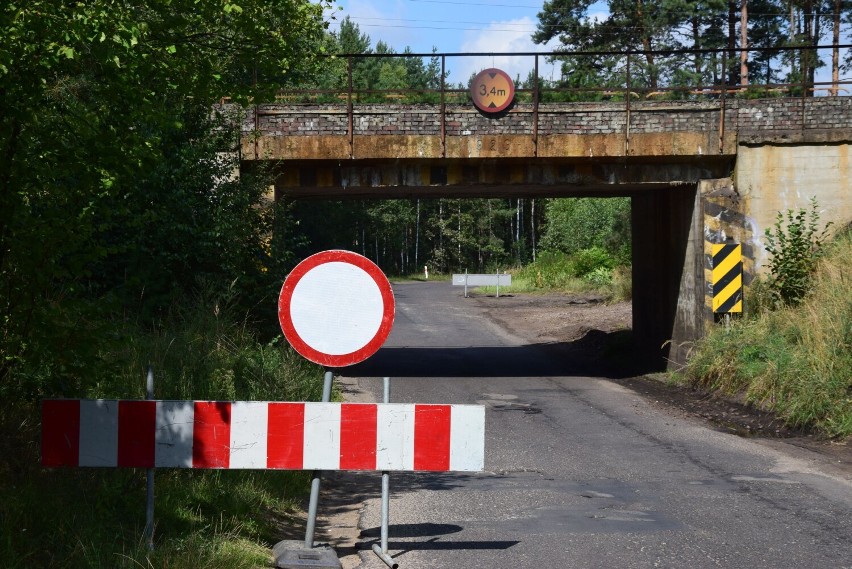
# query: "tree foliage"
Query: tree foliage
{"points": [[402, 236], [109, 158], [375, 79], [660, 25], [575, 224]]}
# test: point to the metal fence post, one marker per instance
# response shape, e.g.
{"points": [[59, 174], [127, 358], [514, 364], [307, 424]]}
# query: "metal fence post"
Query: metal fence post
{"points": [[382, 551], [315, 482], [149, 475]]}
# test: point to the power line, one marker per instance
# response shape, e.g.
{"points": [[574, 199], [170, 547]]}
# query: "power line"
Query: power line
{"points": [[488, 4], [600, 27], [443, 28], [360, 18]]}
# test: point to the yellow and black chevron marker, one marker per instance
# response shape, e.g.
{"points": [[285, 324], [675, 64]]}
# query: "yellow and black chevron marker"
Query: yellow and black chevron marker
{"points": [[727, 278]]}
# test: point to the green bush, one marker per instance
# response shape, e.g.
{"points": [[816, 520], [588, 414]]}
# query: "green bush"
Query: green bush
{"points": [[550, 270], [574, 224], [599, 276], [796, 250], [589, 260], [588, 270]]}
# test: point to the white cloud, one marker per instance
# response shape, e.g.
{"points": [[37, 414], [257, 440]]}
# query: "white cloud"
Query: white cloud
{"points": [[381, 20], [511, 36], [599, 15]]}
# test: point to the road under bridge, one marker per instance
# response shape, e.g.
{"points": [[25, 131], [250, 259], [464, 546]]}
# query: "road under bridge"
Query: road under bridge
{"points": [[698, 172]]}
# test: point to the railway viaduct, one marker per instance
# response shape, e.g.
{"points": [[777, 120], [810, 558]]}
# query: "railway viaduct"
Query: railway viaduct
{"points": [[697, 172]]}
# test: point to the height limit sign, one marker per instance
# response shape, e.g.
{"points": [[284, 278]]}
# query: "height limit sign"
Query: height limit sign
{"points": [[492, 91]]}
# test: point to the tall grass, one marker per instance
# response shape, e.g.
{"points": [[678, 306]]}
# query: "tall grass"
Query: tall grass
{"points": [[95, 517], [587, 271], [794, 361]]}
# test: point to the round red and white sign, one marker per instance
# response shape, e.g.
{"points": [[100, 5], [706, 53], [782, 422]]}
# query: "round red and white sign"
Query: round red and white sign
{"points": [[492, 90], [336, 308]]}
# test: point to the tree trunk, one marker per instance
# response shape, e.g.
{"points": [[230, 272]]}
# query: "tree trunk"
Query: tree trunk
{"points": [[532, 227], [807, 54], [696, 44], [744, 43], [417, 238], [835, 51], [732, 44], [518, 221], [815, 35], [441, 232], [646, 45], [792, 37], [459, 237]]}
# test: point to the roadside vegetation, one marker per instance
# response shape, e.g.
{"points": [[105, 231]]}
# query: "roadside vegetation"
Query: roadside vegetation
{"points": [[125, 241], [585, 248], [791, 353], [96, 517], [589, 271]]}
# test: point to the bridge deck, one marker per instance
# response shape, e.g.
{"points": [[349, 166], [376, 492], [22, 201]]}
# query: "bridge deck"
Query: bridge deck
{"points": [[555, 130]]}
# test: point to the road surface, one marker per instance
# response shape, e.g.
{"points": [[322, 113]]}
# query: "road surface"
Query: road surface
{"points": [[581, 472]]}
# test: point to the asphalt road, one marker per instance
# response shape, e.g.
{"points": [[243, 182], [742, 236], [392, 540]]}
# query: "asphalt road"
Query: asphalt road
{"points": [[582, 472]]}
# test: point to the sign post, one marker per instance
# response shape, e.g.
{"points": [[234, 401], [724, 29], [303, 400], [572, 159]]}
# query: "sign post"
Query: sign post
{"points": [[149, 475], [336, 309]]}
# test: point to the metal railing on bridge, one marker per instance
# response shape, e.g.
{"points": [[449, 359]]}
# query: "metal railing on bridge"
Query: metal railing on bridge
{"points": [[626, 78], [672, 74]]}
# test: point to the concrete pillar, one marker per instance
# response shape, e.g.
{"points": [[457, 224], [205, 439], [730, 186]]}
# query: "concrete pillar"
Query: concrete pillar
{"points": [[668, 274]]}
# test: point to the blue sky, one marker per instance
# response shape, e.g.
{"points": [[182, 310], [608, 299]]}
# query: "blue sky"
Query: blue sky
{"points": [[456, 26], [488, 26]]}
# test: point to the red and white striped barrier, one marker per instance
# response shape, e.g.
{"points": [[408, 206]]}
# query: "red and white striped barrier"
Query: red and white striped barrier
{"points": [[262, 435]]}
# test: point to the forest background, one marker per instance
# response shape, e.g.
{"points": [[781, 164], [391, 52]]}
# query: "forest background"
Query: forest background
{"points": [[124, 241]]}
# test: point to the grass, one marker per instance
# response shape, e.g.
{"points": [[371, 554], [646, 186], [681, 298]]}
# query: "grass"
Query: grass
{"points": [[793, 361], [94, 518], [557, 272]]}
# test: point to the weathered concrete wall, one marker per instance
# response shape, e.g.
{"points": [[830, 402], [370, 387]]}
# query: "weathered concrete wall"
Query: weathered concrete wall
{"points": [[773, 178], [724, 220], [566, 130], [673, 128], [667, 273]]}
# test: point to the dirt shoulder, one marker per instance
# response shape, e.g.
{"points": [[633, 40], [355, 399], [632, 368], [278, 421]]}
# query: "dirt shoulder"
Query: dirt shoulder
{"points": [[598, 333]]}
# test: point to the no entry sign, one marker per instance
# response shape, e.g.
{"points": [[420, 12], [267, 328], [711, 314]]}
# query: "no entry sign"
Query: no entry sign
{"points": [[336, 308]]}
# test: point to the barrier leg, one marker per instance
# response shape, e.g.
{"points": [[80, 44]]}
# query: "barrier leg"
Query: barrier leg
{"points": [[315, 483], [382, 551], [149, 476]]}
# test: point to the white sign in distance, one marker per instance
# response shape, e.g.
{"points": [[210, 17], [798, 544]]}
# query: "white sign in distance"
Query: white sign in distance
{"points": [[482, 280], [336, 308]]}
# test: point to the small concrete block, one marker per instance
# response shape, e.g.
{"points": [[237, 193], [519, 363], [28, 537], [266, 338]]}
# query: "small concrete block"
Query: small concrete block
{"points": [[292, 554]]}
